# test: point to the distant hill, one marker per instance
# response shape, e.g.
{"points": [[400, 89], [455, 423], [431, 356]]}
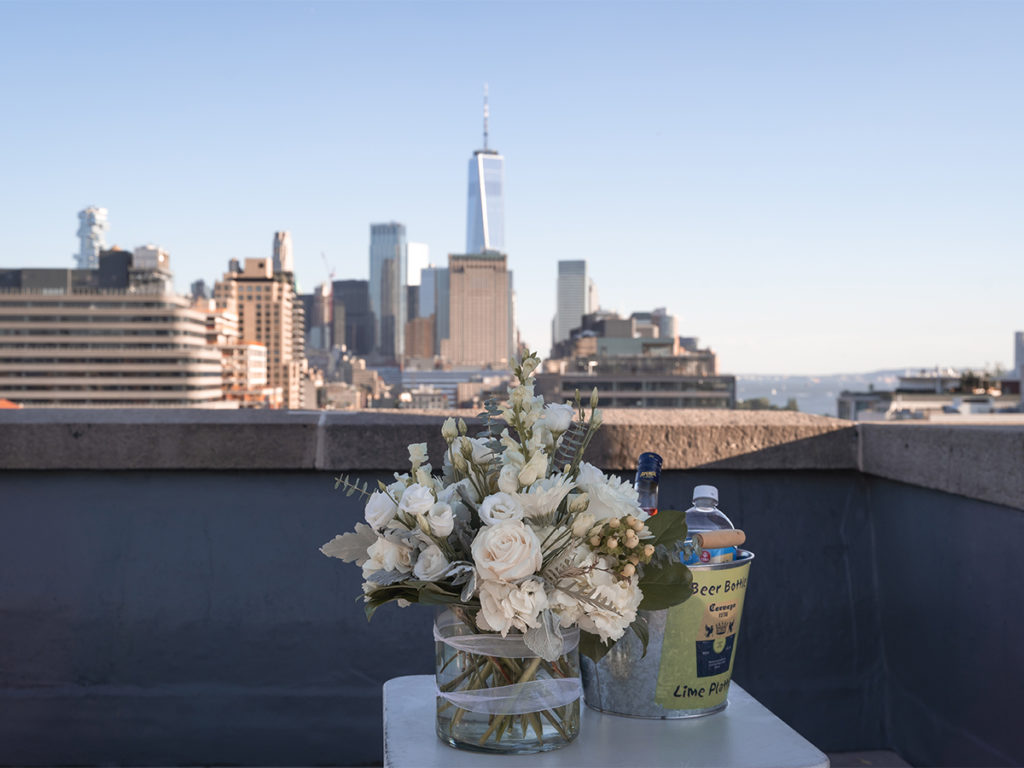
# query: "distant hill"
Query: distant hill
{"points": [[813, 394]]}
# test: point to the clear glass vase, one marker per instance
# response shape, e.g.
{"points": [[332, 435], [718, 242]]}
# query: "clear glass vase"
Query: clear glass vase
{"points": [[495, 695]]}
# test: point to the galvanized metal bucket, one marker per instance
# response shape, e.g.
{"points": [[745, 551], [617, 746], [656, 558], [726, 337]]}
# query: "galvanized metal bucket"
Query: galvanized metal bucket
{"points": [[688, 665]]}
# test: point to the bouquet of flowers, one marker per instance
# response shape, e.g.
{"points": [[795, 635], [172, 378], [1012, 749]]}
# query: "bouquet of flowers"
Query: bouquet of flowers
{"points": [[517, 537]]}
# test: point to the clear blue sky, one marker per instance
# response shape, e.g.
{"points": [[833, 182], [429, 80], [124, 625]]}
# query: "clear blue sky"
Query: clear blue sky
{"points": [[812, 187]]}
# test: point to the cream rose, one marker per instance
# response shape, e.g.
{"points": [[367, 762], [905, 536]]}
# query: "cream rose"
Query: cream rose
{"points": [[506, 551], [508, 480], [557, 417], [498, 507]]}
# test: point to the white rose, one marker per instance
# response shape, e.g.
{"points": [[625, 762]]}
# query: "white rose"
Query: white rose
{"points": [[417, 500], [609, 496], [417, 454], [441, 519], [431, 564], [536, 468], [558, 417], [506, 551], [496, 613], [380, 510], [508, 480], [390, 555], [499, 507], [527, 600]]}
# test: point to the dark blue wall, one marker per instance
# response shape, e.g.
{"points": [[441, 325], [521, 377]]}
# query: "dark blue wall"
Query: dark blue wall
{"points": [[183, 618]]}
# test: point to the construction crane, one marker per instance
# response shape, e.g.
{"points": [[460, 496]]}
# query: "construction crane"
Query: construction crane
{"points": [[330, 269]]}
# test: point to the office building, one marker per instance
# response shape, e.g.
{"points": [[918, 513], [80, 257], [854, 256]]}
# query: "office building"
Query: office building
{"points": [[269, 312], [573, 298], [283, 258], [92, 223], [485, 209], [633, 366], [352, 321], [480, 312], [387, 289], [417, 259], [104, 337]]}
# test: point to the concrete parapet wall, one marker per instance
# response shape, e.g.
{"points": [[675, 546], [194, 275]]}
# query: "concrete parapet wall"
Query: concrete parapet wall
{"points": [[980, 462]]}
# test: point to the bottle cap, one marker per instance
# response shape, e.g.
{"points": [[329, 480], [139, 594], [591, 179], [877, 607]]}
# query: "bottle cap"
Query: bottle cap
{"points": [[649, 461], [705, 492]]}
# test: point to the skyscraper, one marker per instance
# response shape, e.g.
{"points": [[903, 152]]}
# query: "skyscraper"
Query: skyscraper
{"points": [[480, 296], [485, 212], [93, 223], [387, 288], [573, 299], [283, 259]]}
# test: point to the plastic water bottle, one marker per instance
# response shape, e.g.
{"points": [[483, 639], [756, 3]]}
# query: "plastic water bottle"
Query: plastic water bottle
{"points": [[705, 515], [648, 473]]}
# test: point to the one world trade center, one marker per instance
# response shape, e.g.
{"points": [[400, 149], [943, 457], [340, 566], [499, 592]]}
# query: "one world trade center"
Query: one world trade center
{"points": [[485, 213]]}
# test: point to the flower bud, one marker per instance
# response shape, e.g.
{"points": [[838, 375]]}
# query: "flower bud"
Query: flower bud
{"points": [[462, 427], [582, 524], [595, 541], [613, 523], [613, 543], [578, 502], [593, 399], [448, 430], [648, 550], [629, 520], [596, 419], [628, 570]]}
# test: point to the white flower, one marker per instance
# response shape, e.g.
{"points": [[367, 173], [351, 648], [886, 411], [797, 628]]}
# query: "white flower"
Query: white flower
{"points": [[441, 519], [582, 524], [578, 502], [481, 453], [542, 498], [380, 510], [496, 613], [625, 596], [423, 476], [609, 496], [431, 564], [499, 507], [506, 551], [389, 555], [417, 454], [535, 469], [417, 500], [508, 480], [558, 417], [451, 494], [529, 365], [527, 600]]}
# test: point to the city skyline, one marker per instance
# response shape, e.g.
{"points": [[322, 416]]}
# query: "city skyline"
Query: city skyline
{"points": [[809, 188]]}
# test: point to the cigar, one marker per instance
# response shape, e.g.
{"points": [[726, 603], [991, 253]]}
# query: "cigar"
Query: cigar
{"points": [[727, 537]]}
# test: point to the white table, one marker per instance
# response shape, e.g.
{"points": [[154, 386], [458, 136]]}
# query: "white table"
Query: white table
{"points": [[744, 735]]}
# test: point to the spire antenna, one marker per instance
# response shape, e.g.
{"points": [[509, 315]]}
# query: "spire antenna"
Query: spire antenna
{"points": [[487, 114]]}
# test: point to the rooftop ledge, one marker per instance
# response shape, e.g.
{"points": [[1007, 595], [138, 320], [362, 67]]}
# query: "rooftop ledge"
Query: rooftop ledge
{"points": [[979, 461]]}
